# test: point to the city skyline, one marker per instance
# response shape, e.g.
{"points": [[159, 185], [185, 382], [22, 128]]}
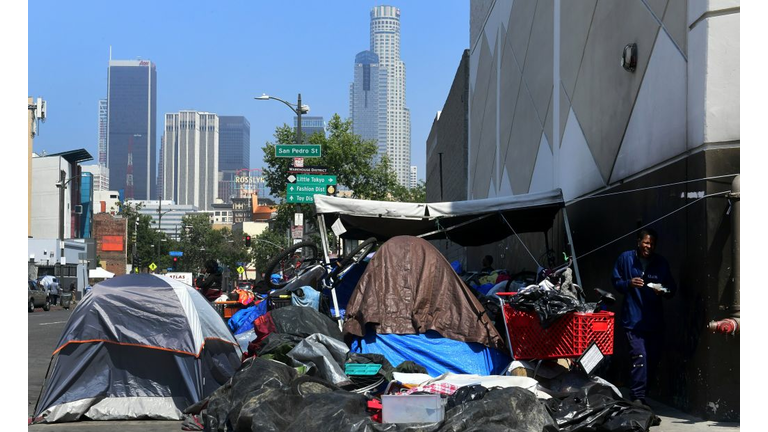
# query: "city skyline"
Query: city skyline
{"points": [[233, 76]]}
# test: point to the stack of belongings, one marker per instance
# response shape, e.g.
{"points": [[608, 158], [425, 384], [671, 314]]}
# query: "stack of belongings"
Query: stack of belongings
{"points": [[309, 391], [411, 305]]}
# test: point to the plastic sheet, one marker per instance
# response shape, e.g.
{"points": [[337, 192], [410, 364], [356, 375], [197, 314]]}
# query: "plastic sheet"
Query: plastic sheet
{"points": [[242, 320], [549, 305], [323, 356], [437, 354], [507, 409], [584, 403]]}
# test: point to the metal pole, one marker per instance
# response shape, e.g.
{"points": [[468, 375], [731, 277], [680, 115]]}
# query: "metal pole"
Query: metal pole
{"points": [[298, 125], [62, 187]]}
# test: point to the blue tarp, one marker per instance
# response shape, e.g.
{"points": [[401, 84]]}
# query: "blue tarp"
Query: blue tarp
{"points": [[242, 320], [434, 352]]}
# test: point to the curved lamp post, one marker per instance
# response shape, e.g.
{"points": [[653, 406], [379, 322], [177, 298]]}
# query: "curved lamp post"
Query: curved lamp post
{"points": [[298, 109]]}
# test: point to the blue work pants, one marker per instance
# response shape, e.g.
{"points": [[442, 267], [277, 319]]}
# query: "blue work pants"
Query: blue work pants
{"points": [[644, 355]]}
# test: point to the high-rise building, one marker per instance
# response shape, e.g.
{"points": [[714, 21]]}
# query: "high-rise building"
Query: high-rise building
{"points": [[131, 127], [191, 158], [234, 154], [100, 175], [103, 132], [366, 109], [396, 119], [310, 125], [414, 178]]}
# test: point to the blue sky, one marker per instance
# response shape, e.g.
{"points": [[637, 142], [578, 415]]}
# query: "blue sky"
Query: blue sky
{"points": [[217, 56]]}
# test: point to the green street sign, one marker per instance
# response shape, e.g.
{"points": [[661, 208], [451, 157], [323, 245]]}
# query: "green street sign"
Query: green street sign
{"points": [[311, 179], [297, 150], [300, 198], [303, 188]]}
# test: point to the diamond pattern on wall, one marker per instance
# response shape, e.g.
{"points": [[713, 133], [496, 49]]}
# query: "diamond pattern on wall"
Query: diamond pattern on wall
{"points": [[537, 69], [575, 19], [579, 174], [508, 93], [605, 92], [656, 131], [541, 179], [520, 22], [486, 156], [523, 143], [478, 99]]}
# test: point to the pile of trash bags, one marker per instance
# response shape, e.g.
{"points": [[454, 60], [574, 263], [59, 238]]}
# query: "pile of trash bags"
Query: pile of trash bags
{"points": [[296, 379]]}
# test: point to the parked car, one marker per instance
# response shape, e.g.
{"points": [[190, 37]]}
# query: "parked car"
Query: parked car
{"points": [[37, 296]]}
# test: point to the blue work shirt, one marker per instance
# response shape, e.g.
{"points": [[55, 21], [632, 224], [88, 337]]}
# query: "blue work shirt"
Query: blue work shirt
{"points": [[642, 307]]}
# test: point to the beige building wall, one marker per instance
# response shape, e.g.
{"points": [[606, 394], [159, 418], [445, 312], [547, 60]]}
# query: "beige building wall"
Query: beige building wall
{"points": [[29, 167]]}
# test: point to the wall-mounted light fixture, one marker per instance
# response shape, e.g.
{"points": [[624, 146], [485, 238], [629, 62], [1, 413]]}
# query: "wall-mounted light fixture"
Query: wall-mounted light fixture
{"points": [[629, 57]]}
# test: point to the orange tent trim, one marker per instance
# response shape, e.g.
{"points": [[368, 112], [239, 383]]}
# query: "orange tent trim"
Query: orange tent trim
{"points": [[141, 345]]}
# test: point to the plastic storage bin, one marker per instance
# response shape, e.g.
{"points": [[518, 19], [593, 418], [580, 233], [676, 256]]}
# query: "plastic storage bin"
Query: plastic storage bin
{"points": [[569, 336], [412, 408]]}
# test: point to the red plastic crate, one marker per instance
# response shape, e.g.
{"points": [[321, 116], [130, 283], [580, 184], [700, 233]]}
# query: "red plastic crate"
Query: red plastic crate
{"points": [[569, 336]]}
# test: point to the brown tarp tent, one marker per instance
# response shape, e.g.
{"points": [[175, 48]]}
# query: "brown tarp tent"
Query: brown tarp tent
{"points": [[410, 288]]}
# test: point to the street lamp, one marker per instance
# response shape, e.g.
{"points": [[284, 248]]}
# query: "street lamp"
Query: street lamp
{"points": [[298, 109]]}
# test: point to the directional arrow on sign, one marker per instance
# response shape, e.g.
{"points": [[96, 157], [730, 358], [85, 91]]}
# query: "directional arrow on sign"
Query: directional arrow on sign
{"points": [[291, 178]]}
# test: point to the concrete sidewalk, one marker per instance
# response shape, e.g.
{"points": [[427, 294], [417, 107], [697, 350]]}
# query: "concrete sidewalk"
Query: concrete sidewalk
{"points": [[673, 420]]}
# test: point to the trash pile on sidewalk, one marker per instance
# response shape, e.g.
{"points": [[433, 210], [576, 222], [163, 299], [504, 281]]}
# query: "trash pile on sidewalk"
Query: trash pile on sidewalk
{"points": [[314, 386], [419, 351]]}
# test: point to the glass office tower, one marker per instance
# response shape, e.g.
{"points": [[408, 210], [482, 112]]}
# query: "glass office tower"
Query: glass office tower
{"points": [[131, 128]]}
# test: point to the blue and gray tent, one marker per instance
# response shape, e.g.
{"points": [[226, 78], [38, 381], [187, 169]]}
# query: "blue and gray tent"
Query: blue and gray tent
{"points": [[139, 346]]}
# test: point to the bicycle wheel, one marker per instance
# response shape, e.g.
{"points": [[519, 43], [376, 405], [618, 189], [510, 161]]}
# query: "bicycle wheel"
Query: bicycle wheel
{"points": [[354, 257], [291, 263]]}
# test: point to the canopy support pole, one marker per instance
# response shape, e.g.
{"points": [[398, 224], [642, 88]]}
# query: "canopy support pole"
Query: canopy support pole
{"points": [[324, 238], [573, 250]]}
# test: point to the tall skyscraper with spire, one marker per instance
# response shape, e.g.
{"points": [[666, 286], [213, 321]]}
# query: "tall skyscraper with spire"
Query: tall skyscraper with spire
{"points": [[377, 95], [131, 128]]}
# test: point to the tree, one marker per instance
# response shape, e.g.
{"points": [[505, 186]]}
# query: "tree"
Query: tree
{"points": [[346, 155], [199, 242]]}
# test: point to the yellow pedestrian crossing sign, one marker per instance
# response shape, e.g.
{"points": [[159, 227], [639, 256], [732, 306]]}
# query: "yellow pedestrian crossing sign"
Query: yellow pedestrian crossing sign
{"points": [[153, 266], [240, 270]]}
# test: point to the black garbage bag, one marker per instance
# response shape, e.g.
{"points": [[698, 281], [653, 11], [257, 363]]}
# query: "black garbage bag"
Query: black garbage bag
{"points": [[588, 403], [466, 394], [500, 409], [303, 321], [549, 305]]}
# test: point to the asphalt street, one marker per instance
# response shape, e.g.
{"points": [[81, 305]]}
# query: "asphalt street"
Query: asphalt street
{"points": [[45, 328]]}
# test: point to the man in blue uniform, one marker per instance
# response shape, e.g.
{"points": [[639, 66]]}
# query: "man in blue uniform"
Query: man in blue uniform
{"points": [[644, 279]]}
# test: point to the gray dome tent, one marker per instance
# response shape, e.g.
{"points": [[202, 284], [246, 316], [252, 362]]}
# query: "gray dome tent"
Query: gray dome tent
{"points": [[139, 346]]}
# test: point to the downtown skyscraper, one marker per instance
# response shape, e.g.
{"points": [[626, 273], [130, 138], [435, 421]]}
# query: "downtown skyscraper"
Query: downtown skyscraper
{"points": [[190, 172], [377, 95], [131, 128], [234, 154]]}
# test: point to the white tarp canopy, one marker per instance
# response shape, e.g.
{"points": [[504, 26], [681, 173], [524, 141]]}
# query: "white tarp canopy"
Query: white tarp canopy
{"points": [[468, 223], [100, 273]]}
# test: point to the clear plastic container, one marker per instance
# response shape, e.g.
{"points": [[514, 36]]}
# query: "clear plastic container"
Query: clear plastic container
{"points": [[412, 408]]}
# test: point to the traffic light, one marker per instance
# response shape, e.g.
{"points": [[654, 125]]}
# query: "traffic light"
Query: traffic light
{"points": [[175, 261], [247, 241]]}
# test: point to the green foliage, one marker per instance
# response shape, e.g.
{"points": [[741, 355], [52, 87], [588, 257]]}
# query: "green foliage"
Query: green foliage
{"points": [[200, 242], [346, 155]]}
